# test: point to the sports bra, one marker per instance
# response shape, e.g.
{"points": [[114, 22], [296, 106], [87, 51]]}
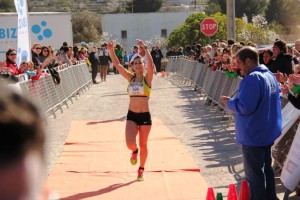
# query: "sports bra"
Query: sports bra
{"points": [[138, 89]]}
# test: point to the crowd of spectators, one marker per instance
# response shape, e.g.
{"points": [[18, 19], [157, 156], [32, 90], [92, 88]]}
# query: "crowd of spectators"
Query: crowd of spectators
{"points": [[280, 58], [42, 63], [44, 60]]}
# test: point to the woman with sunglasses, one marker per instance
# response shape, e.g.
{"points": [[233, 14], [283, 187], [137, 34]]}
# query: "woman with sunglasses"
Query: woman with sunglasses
{"points": [[10, 63], [44, 54], [9, 68], [138, 117], [36, 58]]}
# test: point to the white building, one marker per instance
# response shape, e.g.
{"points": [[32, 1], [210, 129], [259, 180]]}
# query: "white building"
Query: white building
{"points": [[131, 26]]}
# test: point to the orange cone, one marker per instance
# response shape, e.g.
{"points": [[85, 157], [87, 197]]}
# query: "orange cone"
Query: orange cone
{"points": [[210, 194], [232, 194], [244, 191], [162, 73]]}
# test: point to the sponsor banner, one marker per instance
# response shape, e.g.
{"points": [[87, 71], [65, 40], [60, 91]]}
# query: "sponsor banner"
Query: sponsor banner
{"points": [[290, 175], [23, 49]]}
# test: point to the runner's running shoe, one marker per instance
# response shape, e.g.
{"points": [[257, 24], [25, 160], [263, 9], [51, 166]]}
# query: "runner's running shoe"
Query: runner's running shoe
{"points": [[140, 176], [133, 158]]}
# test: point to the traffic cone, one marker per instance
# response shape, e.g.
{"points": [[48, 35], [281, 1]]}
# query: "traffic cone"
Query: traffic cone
{"points": [[244, 191], [219, 196], [163, 73], [210, 194], [232, 194]]}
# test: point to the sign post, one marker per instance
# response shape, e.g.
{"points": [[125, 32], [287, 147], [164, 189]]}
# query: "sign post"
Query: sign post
{"points": [[209, 27]]}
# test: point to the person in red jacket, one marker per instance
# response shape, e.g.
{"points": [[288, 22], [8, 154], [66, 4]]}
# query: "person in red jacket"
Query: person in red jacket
{"points": [[11, 65]]}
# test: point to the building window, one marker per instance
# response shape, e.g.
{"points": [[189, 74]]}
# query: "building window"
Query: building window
{"points": [[164, 33], [124, 34]]}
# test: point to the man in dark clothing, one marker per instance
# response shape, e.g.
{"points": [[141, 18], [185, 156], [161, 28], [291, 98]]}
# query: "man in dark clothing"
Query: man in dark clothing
{"points": [[282, 61], [95, 63]]}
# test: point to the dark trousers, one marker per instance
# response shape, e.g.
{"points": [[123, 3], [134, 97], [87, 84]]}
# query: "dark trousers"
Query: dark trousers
{"points": [[259, 172], [94, 72]]}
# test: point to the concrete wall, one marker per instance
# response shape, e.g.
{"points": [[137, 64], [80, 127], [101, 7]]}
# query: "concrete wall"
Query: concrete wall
{"points": [[140, 25]]}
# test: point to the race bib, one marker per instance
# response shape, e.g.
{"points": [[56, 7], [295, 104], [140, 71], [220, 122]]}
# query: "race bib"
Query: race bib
{"points": [[136, 89]]}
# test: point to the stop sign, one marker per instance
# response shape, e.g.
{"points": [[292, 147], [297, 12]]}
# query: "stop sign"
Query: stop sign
{"points": [[209, 26]]}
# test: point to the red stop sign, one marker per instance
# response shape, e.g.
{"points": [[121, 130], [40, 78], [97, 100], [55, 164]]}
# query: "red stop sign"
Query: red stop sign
{"points": [[209, 26]]}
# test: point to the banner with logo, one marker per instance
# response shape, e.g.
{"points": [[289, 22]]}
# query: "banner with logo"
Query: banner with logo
{"points": [[23, 49], [289, 116], [290, 175]]}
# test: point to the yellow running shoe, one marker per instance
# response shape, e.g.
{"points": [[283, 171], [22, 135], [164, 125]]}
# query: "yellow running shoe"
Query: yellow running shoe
{"points": [[140, 176], [133, 158]]}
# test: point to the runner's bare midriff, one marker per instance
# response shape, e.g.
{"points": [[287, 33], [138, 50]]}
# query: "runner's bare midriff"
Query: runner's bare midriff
{"points": [[139, 104]]}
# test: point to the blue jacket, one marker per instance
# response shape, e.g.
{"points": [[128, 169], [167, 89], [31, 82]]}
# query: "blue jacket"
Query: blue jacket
{"points": [[257, 109]]}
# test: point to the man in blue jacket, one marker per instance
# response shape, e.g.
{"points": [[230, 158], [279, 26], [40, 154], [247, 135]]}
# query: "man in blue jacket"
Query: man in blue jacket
{"points": [[258, 119]]}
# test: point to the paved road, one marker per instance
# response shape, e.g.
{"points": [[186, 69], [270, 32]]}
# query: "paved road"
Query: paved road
{"points": [[207, 137]]}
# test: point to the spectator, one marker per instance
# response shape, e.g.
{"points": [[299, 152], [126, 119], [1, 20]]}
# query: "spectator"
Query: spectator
{"points": [[75, 50], [10, 63], [160, 57], [105, 61], [257, 122], [291, 51], [214, 50], [135, 50], [292, 95], [297, 48], [282, 61], [22, 156], [126, 60], [171, 52], [179, 52], [35, 52], [44, 55], [95, 64], [155, 58], [37, 56], [267, 58], [64, 56], [189, 52], [230, 42]]}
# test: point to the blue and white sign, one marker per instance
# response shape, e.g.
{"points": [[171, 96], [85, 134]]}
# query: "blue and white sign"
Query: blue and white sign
{"points": [[45, 28], [24, 53]]}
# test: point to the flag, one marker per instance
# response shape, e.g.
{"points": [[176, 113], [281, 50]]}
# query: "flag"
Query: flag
{"points": [[23, 49]]}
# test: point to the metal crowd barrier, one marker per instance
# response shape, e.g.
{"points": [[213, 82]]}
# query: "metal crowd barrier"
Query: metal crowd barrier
{"points": [[74, 80], [211, 84]]}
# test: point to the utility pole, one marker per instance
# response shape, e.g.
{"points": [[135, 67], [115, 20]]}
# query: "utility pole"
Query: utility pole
{"points": [[230, 9], [132, 7]]}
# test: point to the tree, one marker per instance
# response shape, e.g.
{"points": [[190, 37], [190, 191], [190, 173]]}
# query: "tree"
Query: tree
{"points": [[247, 7], [258, 31], [140, 6], [7, 6], [284, 12], [213, 8], [86, 27], [189, 32]]}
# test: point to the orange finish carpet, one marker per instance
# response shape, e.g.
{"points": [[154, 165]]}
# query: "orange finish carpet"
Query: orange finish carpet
{"points": [[95, 165]]}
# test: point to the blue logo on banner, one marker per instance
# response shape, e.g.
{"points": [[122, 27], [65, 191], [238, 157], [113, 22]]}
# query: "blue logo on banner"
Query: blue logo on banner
{"points": [[22, 55], [41, 34]]}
